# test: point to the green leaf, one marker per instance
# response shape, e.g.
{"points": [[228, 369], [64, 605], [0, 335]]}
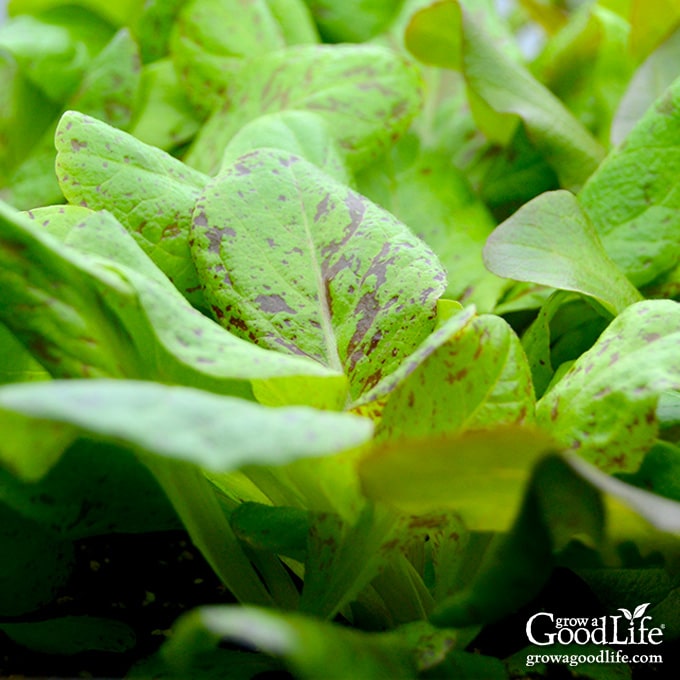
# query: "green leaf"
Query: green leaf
{"points": [[444, 34], [107, 90], [37, 564], [118, 14], [588, 65], [368, 95], [477, 378], [177, 423], [649, 82], [519, 562], [25, 113], [660, 512], [605, 405], [150, 192], [94, 489], [212, 39], [301, 133], [425, 190], [304, 644], [55, 52], [164, 117], [551, 241], [153, 27], [652, 22], [276, 529], [16, 363], [343, 282], [352, 20], [480, 474], [632, 199], [72, 635], [85, 314]]}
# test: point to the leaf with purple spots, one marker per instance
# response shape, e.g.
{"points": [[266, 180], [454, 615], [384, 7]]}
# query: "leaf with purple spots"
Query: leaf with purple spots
{"points": [[151, 193], [604, 407], [294, 261], [368, 95], [478, 377]]}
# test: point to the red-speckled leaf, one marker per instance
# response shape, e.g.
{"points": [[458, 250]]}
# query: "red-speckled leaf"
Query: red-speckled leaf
{"points": [[478, 377], [149, 191], [605, 405], [294, 261], [367, 94]]}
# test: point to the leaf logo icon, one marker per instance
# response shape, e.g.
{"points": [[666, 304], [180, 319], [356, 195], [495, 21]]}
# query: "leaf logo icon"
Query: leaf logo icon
{"points": [[640, 610], [626, 613]]}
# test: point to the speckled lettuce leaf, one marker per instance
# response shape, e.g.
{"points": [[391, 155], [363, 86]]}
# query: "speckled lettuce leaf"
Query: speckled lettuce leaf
{"points": [[100, 308], [551, 241], [477, 378], [302, 133], [107, 91], [633, 198], [213, 431], [503, 91], [212, 39], [149, 191], [368, 95], [342, 281], [425, 190], [604, 407]]}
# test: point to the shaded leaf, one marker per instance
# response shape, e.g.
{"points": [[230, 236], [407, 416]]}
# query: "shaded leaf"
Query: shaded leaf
{"points": [[551, 241], [343, 282], [37, 564], [72, 635], [94, 489], [303, 643], [519, 562], [368, 95], [444, 34]]}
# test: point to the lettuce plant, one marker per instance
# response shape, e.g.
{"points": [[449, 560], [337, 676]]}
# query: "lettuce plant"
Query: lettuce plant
{"points": [[374, 304]]}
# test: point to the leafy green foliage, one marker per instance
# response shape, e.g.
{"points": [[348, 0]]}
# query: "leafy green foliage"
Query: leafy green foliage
{"points": [[375, 302]]}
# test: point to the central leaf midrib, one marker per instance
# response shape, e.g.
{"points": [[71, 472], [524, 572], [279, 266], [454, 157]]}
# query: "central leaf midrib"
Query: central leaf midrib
{"points": [[330, 342]]}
